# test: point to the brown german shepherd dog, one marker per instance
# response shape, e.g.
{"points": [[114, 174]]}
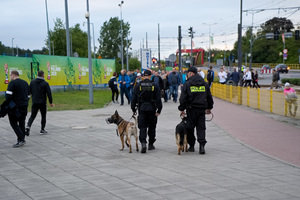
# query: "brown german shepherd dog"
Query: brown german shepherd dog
{"points": [[181, 135], [125, 128]]}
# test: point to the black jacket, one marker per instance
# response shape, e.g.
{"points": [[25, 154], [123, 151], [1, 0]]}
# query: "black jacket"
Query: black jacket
{"points": [[195, 93], [146, 96], [18, 91], [161, 85], [39, 88]]}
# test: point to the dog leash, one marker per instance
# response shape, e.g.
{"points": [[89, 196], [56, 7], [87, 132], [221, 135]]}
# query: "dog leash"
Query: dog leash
{"points": [[212, 116], [124, 126]]}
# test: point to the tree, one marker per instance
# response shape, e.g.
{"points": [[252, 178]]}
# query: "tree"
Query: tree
{"points": [[267, 50], [78, 39], [110, 39]]}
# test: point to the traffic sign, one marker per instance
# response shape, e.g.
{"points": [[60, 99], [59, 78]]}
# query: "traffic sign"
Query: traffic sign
{"points": [[285, 51], [285, 55]]}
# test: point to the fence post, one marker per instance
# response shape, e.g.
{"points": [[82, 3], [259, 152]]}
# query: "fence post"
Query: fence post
{"points": [[258, 99], [285, 108], [239, 95], [230, 93], [248, 96], [271, 100]]}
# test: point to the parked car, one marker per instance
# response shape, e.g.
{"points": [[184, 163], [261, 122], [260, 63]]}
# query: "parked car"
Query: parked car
{"points": [[264, 67], [282, 68]]}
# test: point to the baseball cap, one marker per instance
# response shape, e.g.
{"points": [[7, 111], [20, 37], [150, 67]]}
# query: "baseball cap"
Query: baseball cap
{"points": [[138, 74], [147, 73], [192, 69], [287, 84]]}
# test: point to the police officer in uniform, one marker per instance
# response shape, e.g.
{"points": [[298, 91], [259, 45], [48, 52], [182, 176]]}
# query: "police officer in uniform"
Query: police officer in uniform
{"points": [[147, 100], [197, 101]]}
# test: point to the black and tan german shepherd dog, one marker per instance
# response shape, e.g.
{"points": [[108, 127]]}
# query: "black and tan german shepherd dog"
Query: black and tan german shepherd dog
{"points": [[125, 128], [181, 135]]}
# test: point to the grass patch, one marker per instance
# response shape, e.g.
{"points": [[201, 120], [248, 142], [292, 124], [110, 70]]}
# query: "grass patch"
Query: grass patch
{"points": [[76, 100]]}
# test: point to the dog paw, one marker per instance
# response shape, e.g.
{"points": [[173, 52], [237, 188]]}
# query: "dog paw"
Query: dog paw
{"points": [[121, 149]]}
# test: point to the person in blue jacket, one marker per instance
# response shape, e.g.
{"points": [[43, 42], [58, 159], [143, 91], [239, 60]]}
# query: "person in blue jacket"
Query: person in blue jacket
{"points": [[124, 82], [174, 81]]}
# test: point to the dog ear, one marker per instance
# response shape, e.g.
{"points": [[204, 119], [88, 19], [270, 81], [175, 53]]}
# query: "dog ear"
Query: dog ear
{"points": [[116, 112]]}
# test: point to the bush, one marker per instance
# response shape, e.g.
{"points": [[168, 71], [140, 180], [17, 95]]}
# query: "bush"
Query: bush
{"points": [[293, 81]]}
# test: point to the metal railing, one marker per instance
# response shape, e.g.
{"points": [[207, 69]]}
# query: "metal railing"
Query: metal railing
{"points": [[262, 99]]}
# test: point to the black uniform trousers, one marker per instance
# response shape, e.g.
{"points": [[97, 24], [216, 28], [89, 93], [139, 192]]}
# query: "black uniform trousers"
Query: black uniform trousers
{"points": [[34, 110], [147, 124], [18, 123], [197, 119]]}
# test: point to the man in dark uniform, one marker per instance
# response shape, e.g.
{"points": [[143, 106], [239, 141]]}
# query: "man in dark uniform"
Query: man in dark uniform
{"points": [[197, 100], [146, 98], [18, 92]]}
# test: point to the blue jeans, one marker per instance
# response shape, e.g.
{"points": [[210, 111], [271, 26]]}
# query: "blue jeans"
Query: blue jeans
{"points": [[126, 92], [174, 91]]}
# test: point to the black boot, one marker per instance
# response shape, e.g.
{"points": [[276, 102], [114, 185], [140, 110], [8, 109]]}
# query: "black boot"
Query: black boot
{"points": [[201, 149], [191, 149], [151, 147], [144, 148]]}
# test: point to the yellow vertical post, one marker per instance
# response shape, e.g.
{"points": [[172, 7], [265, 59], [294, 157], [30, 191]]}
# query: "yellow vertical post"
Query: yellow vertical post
{"points": [[271, 100], [258, 99], [248, 96], [230, 93], [285, 108], [239, 95]]}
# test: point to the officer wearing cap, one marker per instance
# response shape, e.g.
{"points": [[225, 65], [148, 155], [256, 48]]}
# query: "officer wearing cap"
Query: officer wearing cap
{"points": [[147, 100], [197, 101]]}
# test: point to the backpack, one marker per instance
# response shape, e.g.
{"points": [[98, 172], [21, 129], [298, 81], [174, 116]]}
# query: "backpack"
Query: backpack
{"points": [[111, 83]]}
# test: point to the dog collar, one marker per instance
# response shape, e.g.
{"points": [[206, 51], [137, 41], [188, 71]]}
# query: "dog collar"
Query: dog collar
{"points": [[120, 122]]}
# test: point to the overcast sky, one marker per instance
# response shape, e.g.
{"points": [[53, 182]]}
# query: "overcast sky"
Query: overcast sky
{"points": [[25, 21]]}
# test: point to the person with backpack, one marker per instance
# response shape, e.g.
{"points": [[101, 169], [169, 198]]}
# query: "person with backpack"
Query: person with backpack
{"points": [[210, 76], [113, 84]]}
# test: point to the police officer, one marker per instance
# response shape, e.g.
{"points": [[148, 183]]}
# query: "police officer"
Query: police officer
{"points": [[146, 98], [197, 100]]}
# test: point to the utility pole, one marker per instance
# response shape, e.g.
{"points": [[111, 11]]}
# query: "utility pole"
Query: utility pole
{"points": [[179, 49], [240, 53], [122, 61], [67, 28], [87, 16], [192, 36], [159, 48]]}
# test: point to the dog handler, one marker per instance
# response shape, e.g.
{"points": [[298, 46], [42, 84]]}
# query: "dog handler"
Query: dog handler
{"points": [[147, 99], [197, 100]]}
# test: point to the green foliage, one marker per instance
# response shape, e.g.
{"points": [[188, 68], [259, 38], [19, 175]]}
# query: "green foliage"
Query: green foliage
{"points": [[267, 50], [134, 63], [110, 39], [293, 81], [78, 39]]}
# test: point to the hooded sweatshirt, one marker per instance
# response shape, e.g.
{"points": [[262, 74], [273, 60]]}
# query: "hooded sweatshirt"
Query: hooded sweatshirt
{"points": [[39, 88]]}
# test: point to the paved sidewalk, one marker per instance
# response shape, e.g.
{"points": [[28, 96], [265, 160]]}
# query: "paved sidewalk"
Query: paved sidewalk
{"points": [[80, 159]]}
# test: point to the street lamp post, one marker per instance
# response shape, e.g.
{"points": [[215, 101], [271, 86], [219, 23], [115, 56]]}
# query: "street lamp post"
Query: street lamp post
{"points": [[12, 46], [93, 39], [209, 42], [52, 47], [87, 16], [121, 34], [48, 28]]}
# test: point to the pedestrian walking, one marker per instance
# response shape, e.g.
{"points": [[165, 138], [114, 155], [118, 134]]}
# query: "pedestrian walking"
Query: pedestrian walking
{"points": [[39, 90], [166, 85], [18, 92], [235, 77], [195, 101], [210, 76], [124, 82], [291, 98], [146, 100], [201, 73], [222, 76], [275, 79], [248, 78], [255, 80], [113, 84], [174, 82]]}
